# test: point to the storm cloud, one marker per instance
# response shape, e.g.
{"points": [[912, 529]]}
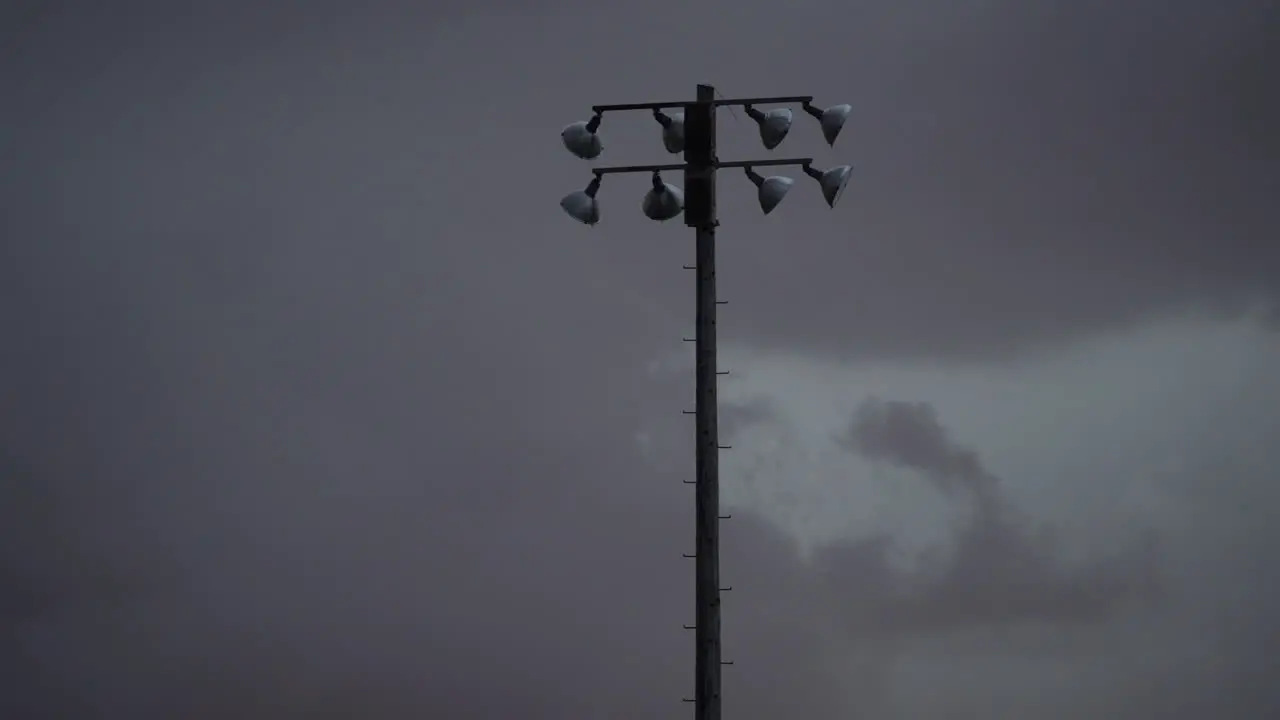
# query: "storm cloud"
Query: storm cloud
{"points": [[999, 568], [314, 405]]}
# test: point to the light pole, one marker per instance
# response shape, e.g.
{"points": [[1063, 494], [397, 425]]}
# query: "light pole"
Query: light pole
{"points": [[693, 132]]}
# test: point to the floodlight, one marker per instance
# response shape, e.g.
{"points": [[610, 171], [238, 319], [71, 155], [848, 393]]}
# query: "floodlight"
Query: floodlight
{"points": [[774, 125], [663, 201], [580, 138], [672, 130], [770, 189], [582, 205], [831, 181], [832, 119]]}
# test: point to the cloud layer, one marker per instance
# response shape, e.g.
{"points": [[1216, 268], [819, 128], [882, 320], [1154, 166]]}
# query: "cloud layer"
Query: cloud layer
{"points": [[314, 406], [1000, 569]]}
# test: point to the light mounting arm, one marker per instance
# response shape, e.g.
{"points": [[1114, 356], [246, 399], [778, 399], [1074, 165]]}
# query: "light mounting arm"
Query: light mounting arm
{"points": [[723, 102], [681, 166]]}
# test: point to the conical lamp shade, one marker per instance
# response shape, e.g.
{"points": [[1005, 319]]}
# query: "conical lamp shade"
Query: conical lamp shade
{"points": [[581, 207], [664, 204], [581, 141], [774, 126], [832, 122], [772, 191], [673, 134], [833, 183]]}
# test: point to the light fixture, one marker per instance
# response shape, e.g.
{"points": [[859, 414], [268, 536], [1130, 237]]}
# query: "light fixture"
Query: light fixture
{"points": [[832, 119], [831, 181], [774, 125], [771, 190], [582, 204], [672, 130], [581, 139], [663, 201]]}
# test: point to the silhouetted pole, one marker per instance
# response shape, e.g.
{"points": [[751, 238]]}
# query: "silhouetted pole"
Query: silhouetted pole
{"points": [[700, 213], [700, 166]]}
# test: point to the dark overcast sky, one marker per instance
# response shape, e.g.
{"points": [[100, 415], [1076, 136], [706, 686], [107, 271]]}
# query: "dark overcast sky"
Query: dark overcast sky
{"points": [[314, 405]]}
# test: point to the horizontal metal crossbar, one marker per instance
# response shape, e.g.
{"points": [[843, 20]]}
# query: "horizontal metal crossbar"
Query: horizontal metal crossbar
{"points": [[680, 166], [779, 100], [775, 100]]}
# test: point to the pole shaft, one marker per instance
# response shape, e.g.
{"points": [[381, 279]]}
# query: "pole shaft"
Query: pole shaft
{"points": [[700, 168]]}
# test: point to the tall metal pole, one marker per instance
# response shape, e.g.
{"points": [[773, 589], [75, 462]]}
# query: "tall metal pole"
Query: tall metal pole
{"points": [[700, 166], [700, 213]]}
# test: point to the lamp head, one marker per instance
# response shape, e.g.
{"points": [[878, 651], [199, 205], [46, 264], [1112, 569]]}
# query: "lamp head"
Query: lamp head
{"points": [[832, 182], [663, 201], [581, 138], [831, 119], [774, 125], [672, 130], [581, 205], [770, 190]]}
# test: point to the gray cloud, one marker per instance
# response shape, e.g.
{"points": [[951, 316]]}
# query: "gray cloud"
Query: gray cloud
{"points": [[1051, 169], [320, 392], [1083, 165], [734, 418], [999, 568], [910, 434]]}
